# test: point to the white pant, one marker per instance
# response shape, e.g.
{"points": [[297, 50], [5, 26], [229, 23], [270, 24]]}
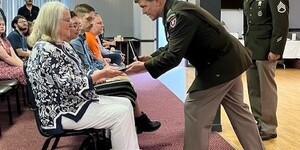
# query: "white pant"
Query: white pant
{"points": [[114, 113]]}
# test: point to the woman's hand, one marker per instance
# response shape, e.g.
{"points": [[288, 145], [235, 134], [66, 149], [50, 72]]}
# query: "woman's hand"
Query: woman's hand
{"points": [[106, 72]]}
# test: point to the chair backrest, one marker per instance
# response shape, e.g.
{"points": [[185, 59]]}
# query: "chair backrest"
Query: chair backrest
{"points": [[32, 103]]}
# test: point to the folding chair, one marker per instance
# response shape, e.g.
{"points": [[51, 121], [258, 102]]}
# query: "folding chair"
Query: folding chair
{"points": [[5, 91], [94, 134], [15, 84]]}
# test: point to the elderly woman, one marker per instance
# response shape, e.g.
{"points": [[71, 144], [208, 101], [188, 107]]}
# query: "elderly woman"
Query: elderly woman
{"points": [[64, 91], [11, 66]]}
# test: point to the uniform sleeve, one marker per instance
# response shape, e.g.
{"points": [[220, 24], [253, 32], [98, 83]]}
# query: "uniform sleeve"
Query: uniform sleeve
{"points": [[160, 50], [181, 30], [280, 23]]}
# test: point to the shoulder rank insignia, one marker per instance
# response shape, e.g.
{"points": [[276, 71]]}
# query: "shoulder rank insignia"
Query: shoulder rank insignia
{"points": [[281, 8]]}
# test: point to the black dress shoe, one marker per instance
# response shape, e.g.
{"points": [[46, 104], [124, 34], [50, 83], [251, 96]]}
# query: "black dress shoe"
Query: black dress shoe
{"points": [[144, 124], [267, 136]]}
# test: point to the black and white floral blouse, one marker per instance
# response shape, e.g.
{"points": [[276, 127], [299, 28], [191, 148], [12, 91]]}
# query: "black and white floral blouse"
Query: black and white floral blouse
{"points": [[60, 85]]}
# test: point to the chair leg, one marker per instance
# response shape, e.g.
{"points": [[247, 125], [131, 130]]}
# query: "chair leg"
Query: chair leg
{"points": [[46, 144], [24, 95], [17, 99], [54, 146], [28, 96], [9, 109], [107, 138], [95, 142]]}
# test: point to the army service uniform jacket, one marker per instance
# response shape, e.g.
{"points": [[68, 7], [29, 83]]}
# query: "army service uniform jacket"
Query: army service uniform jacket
{"points": [[266, 27], [194, 34]]}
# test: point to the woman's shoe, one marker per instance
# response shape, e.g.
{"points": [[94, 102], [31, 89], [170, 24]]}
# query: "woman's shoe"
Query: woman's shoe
{"points": [[144, 124]]}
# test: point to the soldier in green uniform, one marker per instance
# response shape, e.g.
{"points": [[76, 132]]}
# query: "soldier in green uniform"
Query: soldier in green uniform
{"points": [[219, 59], [266, 28]]}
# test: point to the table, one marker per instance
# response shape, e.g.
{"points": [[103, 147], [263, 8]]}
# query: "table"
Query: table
{"points": [[291, 50]]}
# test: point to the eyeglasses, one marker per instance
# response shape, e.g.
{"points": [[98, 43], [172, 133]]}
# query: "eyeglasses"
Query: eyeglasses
{"points": [[76, 25], [66, 19]]}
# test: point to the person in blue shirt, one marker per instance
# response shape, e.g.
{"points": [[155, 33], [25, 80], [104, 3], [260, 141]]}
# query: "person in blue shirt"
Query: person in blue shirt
{"points": [[17, 37]]}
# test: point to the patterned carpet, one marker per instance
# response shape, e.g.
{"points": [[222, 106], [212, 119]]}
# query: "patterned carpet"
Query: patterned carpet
{"points": [[156, 101]]}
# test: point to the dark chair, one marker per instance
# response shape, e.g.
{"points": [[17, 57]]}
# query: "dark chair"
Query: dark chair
{"points": [[100, 137], [15, 84], [5, 92]]}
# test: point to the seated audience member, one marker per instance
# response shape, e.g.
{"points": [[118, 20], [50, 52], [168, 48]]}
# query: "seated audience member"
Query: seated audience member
{"points": [[79, 44], [63, 87], [75, 27], [17, 37], [121, 87], [98, 50], [11, 66]]}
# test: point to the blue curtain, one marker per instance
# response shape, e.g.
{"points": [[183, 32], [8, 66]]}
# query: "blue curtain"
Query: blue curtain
{"points": [[10, 8]]}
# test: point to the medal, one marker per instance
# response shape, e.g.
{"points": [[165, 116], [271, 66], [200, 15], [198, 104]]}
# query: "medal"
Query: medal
{"points": [[259, 13]]}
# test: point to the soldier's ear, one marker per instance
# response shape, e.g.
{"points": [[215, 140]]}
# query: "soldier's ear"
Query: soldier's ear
{"points": [[160, 2]]}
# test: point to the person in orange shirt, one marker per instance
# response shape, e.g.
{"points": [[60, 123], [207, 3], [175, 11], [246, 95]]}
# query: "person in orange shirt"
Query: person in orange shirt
{"points": [[96, 47]]}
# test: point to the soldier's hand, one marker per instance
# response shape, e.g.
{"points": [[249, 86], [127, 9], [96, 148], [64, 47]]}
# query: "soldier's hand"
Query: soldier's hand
{"points": [[144, 58], [273, 56]]}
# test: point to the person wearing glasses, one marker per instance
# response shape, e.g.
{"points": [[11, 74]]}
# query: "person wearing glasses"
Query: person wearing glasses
{"points": [[17, 37]]}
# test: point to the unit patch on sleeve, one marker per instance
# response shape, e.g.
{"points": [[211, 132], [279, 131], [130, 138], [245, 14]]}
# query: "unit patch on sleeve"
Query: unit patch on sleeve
{"points": [[173, 22]]}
